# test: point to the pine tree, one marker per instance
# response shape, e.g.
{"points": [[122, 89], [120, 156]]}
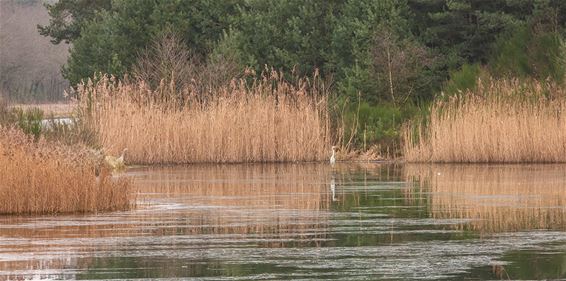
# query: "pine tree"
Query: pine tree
{"points": [[68, 17]]}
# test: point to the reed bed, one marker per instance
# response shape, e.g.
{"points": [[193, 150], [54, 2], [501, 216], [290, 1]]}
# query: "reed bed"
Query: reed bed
{"points": [[47, 178], [501, 121], [267, 120], [507, 198]]}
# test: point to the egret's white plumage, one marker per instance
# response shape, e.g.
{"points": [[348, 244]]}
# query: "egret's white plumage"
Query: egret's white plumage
{"points": [[116, 163], [333, 157]]}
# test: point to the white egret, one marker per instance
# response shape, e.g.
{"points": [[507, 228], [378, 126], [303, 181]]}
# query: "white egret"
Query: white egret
{"points": [[333, 157]]}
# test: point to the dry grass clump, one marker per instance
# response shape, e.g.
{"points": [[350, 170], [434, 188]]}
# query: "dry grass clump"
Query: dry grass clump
{"points": [[266, 120], [501, 121], [48, 178]]}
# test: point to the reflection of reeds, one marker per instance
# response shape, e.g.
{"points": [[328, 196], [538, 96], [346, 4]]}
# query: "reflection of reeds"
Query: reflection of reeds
{"points": [[245, 199], [217, 199], [273, 205], [7, 269], [496, 198]]}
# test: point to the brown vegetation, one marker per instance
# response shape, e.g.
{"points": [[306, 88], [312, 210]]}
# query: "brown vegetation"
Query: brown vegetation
{"points": [[48, 178], [501, 121], [57, 110], [267, 120]]}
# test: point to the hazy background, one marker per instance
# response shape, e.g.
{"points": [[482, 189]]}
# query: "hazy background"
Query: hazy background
{"points": [[29, 64]]}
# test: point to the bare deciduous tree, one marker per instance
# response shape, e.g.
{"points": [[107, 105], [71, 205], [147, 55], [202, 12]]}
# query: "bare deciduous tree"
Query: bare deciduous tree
{"points": [[398, 64], [168, 60]]}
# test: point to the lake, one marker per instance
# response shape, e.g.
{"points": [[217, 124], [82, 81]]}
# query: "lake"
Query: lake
{"points": [[308, 222]]}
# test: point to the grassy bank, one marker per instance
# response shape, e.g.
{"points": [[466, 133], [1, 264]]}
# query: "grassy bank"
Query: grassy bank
{"points": [[57, 110], [40, 177], [499, 121], [267, 120]]}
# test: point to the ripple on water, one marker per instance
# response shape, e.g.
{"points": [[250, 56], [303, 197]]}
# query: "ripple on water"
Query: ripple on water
{"points": [[250, 223]]}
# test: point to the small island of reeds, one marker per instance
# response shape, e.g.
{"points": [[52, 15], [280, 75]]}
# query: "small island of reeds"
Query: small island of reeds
{"points": [[43, 177]]}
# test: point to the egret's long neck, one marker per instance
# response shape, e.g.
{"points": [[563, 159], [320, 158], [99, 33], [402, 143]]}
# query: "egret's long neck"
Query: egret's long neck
{"points": [[333, 153]]}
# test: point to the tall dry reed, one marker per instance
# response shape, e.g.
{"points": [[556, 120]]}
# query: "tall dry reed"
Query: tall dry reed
{"points": [[48, 178], [267, 120], [501, 121]]}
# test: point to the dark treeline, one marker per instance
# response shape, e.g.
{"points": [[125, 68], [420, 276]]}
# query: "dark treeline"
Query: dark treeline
{"points": [[386, 57]]}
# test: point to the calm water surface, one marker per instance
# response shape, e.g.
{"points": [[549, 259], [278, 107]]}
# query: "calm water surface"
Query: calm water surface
{"points": [[308, 222]]}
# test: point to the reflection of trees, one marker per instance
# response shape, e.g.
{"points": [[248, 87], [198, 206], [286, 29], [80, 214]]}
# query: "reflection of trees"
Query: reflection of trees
{"points": [[497, 198], [523, 265], [151, 267]]}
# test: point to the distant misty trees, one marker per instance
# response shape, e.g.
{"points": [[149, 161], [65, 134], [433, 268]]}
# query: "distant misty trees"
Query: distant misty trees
{"points": [[30, 66]]}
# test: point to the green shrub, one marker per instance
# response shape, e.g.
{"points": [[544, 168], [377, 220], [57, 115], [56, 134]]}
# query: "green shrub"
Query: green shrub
{"points": [[29, 120], [33, 122], [378, 125], [528, 53], [463, 79], [358, 83]]}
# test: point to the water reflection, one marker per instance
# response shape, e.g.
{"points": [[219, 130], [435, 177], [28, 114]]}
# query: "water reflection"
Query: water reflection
{"points": [[307, 221], [259, 199], [333, 189], [496, 198]]}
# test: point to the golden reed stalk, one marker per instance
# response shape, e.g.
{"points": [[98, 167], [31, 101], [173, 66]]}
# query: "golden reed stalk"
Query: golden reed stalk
{"points": [[269, 121], [502, 121], [48, 178]]}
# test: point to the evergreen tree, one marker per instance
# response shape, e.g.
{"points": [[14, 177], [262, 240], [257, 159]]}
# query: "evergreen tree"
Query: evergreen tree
{"points": [[112, 40], [286, 34], [462, 30], [69, 17]]}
